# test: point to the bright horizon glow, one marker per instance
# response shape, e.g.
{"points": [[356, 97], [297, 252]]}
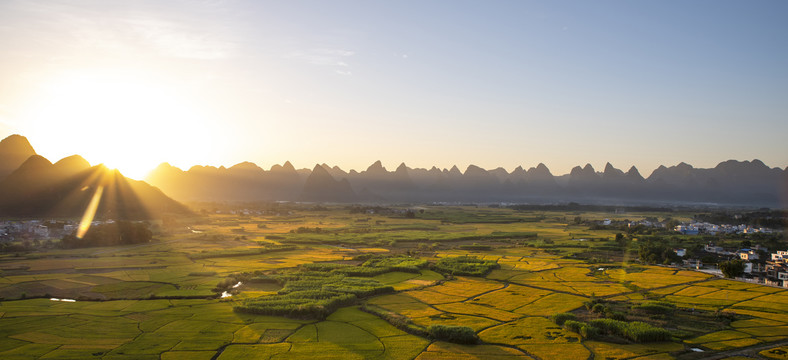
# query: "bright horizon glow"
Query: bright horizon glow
{"points": [[443, 83], [119, 119]]}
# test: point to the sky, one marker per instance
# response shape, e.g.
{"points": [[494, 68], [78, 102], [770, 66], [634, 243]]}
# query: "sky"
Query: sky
{"points": [[492, 83]]}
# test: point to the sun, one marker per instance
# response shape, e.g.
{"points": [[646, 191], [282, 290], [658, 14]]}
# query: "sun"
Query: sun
{"points": [[122, 119]]}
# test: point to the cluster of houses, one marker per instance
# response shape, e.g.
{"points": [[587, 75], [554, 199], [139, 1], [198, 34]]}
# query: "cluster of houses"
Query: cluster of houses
{"points": [[35, 229], [696, 228], [758, 268]]}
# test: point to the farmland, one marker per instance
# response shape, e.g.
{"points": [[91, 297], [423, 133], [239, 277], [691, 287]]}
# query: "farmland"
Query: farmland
{"points": [[323, 282]]}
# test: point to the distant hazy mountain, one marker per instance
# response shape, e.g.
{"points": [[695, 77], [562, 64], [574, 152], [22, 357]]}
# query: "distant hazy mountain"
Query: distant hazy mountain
{"points": [[242, 182], [14, 150], [37, 188], [321, 186], [731, 182]]}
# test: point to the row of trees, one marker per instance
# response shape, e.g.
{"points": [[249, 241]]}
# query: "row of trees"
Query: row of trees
{"points": [[111, 234], [316, 290], [465, 265]]}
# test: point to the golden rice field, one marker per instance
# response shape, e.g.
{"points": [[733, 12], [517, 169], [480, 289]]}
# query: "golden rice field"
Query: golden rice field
{"points": [[156, 301]]}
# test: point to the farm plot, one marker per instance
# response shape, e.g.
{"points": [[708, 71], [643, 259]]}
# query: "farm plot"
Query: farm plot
{"points": [[443, 350], [348, 333]]}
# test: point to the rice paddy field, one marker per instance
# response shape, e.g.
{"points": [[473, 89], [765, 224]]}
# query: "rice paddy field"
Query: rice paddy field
{"points": [[162, 300]]}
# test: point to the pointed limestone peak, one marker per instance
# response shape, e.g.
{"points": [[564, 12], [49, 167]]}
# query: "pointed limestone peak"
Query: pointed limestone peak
{"points": [[633, 173], [401, 168], [577, 170], [376, 167], [589, 169], [611, 171], [288, 166], [455, 170], [320, 169], [539, 172]]}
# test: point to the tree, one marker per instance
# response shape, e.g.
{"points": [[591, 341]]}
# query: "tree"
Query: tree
{"points": [[732, 268]]}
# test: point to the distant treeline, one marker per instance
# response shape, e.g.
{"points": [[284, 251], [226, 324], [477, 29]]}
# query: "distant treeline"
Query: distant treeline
{"points": [[111, 234], [775, 219], [267, 248], [572, 206]]}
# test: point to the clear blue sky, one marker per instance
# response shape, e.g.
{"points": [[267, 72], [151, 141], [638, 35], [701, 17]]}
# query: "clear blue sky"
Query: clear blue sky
{"points": [[502, 83]]}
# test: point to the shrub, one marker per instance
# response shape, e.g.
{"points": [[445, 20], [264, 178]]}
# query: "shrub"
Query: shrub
{"points": [[560, 318], [636, 331], [465, 265], [455, 334], [588, 331], [656, 307], [617, 315], [573, 325], [732, 268]]}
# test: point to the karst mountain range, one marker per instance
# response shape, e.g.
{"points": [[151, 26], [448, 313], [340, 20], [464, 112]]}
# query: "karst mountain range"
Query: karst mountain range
{"points": [[730, 182], [31, 185]]}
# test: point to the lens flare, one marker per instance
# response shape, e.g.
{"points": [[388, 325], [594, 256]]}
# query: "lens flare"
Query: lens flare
{"points": [[90, 212]]}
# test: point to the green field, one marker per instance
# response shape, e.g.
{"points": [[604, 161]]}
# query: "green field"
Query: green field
{"points": [[394, 277]]}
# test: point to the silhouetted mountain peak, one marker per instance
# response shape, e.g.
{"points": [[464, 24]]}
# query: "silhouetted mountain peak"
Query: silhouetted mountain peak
{"points": [[16, 144], [206, 168], [633, 172], [321, 186], [455, 170], [540, 170], [165, 166], [72, 164], [402, 168], [376, 168], [247, 166], [35, 162], [742, 166], [473, 170], [288, 166], [611, 172], [14, 150], [320, 170]]}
